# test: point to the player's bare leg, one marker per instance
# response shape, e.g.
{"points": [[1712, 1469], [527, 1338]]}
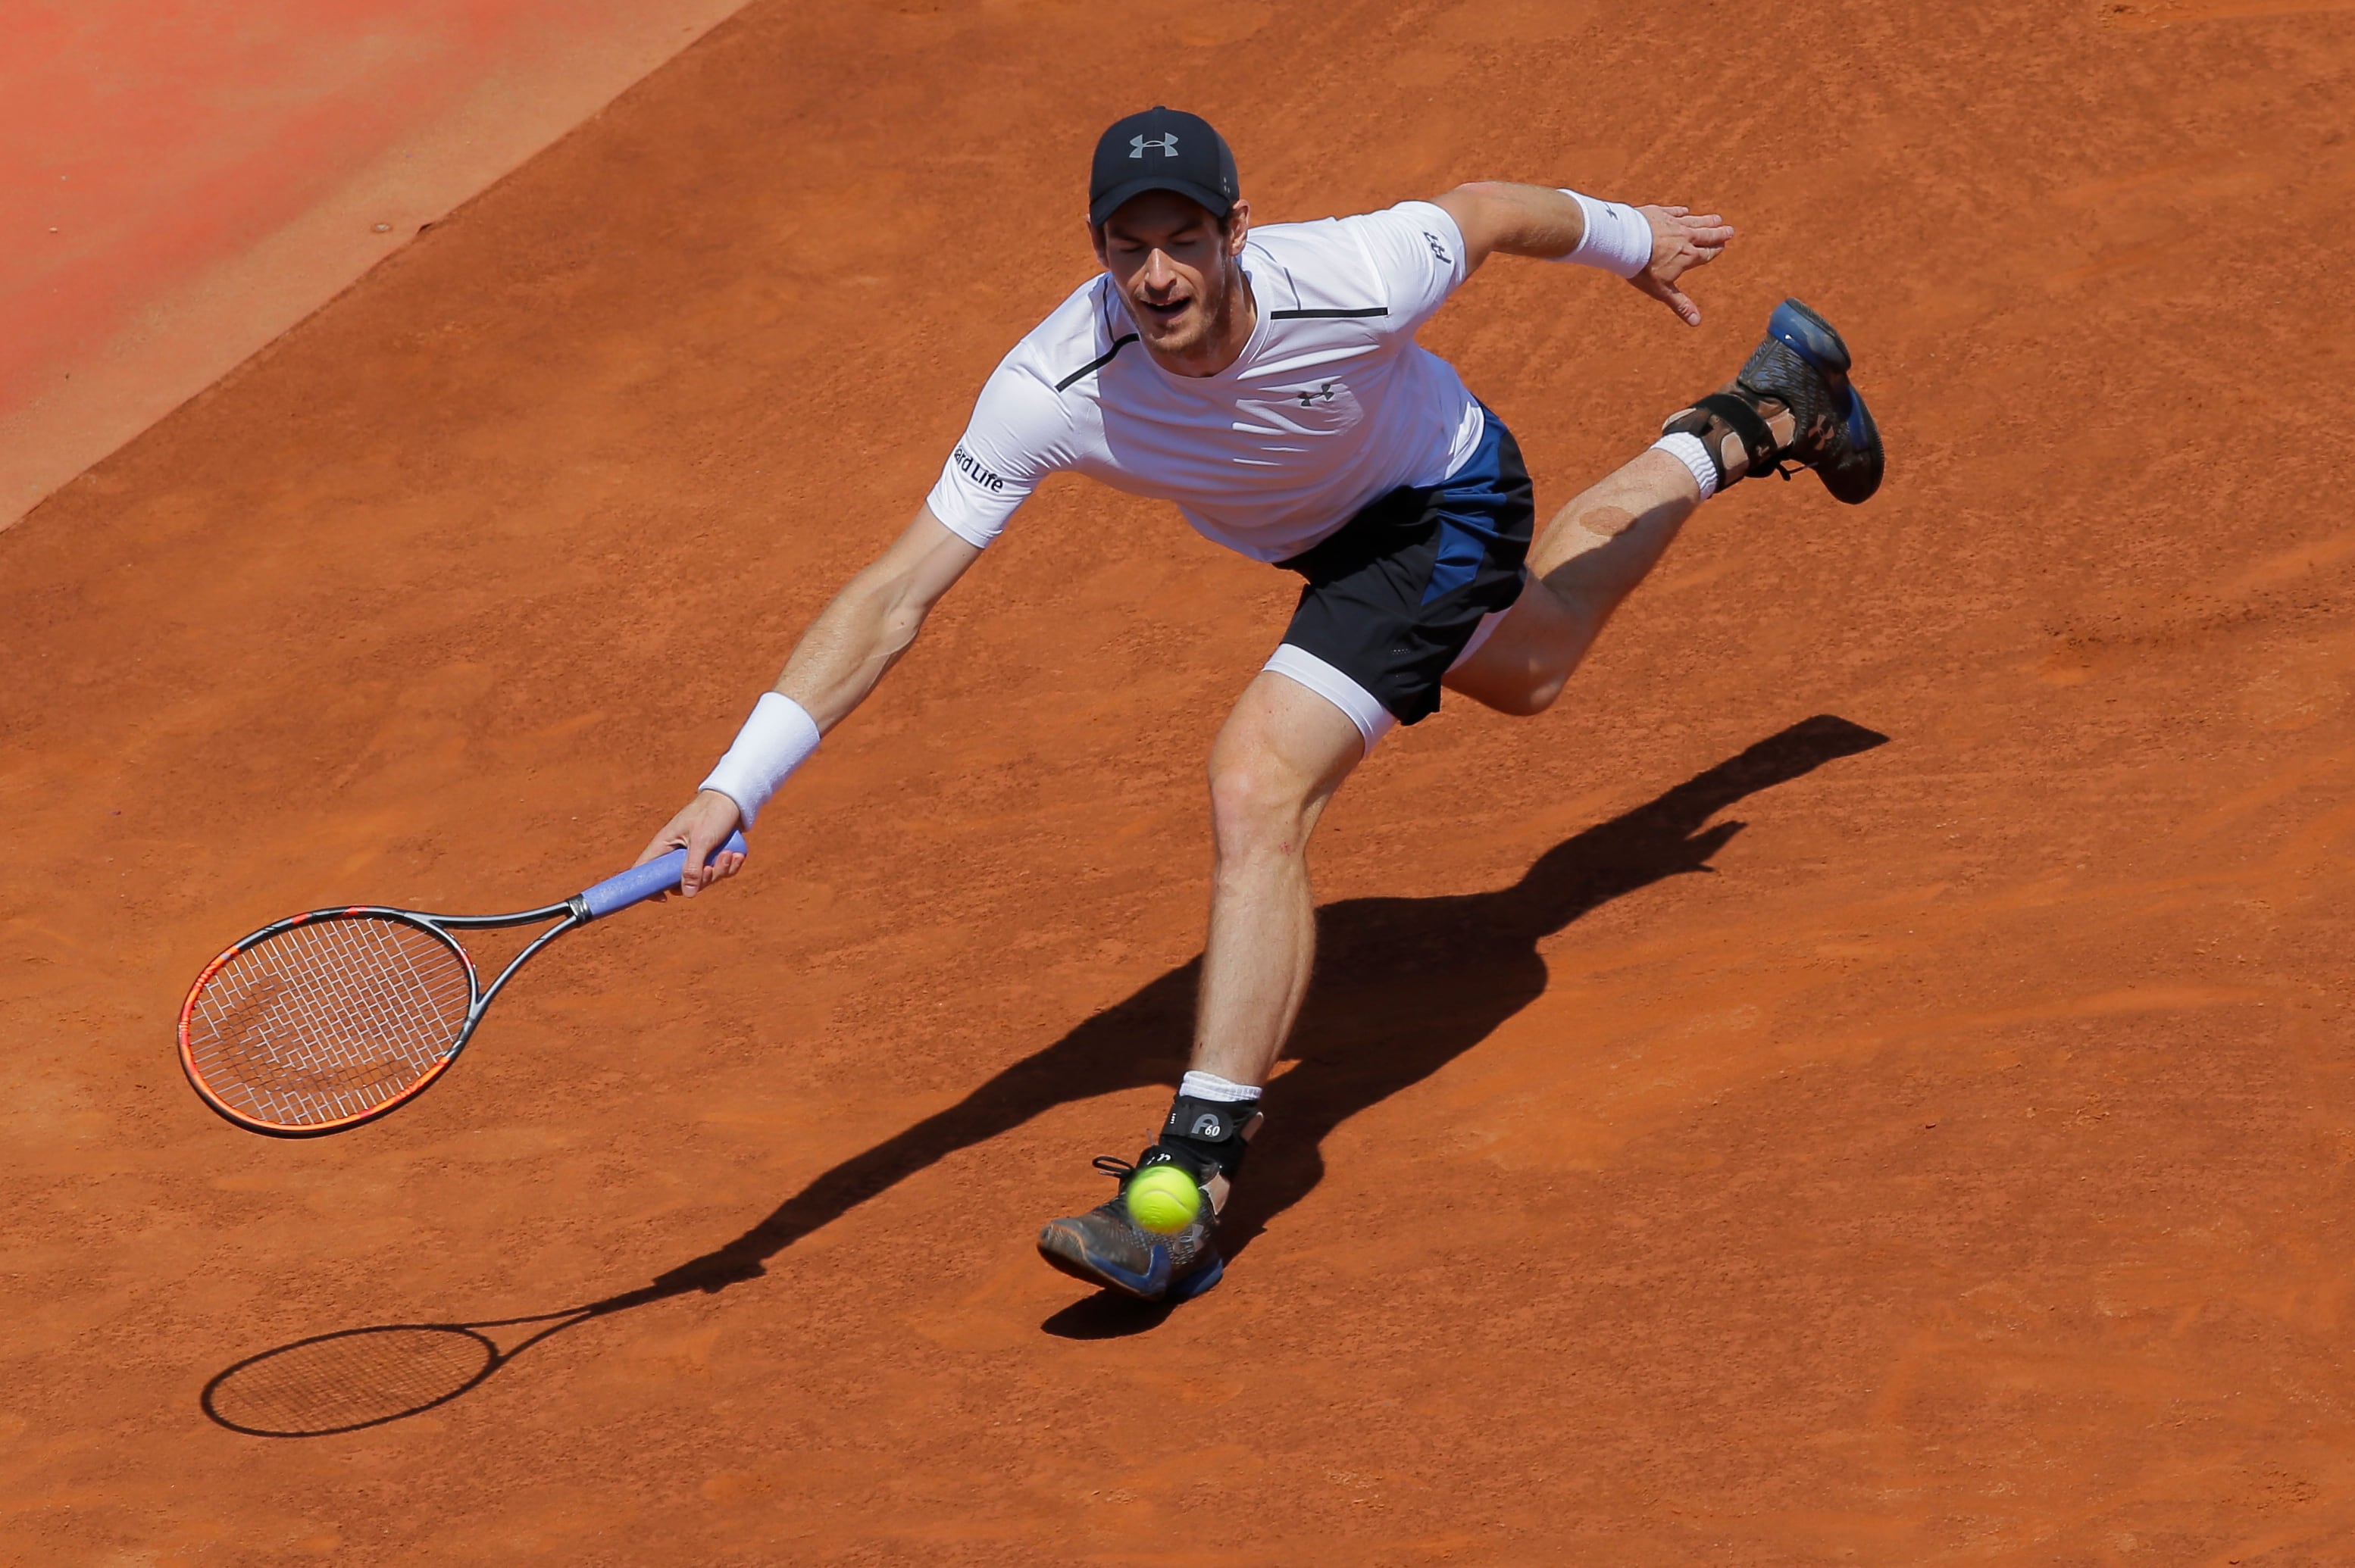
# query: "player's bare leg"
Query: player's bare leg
{"points": [[1277, 761], [1582, 565], [1792, 403]]}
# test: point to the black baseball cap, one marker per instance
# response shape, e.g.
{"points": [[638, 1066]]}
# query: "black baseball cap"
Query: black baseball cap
{"points": [[1162, 150]]}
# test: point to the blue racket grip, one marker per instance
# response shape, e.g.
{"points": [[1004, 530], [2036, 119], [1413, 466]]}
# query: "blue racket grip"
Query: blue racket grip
{"points": [[641, 883]]}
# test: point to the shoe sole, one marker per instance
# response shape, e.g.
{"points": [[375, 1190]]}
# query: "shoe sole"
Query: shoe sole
{"points": [[1813, 339], [1194, 1284]]}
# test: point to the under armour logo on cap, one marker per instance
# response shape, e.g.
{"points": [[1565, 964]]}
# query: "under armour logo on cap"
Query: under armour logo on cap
{"points": [[1194, 163]]}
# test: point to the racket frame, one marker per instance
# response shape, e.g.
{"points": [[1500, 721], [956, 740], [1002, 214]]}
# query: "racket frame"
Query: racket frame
{"points": [[651, 879], [571, 913]]}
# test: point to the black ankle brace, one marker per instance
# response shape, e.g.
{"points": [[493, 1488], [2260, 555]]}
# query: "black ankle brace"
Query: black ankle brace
{"points": [[1740, 440], [1204, 1136]]}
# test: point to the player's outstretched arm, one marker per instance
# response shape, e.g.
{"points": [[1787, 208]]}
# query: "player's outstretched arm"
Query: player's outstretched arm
{"points": [[1651, 247], [859, 636]]}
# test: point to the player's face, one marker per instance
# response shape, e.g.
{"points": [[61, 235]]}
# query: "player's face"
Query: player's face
{"points": [[1175, 266]]}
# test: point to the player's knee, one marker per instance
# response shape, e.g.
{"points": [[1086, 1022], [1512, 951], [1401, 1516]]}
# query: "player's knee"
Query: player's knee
{"points": [[1535, 696], [1257, 807], [1521, 693]]}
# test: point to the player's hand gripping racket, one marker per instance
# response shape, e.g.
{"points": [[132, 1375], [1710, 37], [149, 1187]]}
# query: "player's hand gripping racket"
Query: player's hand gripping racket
{"points": [[321, 1022]]}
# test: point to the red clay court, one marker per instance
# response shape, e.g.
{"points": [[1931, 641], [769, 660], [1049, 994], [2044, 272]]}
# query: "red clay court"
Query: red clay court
{"points": [[1866, 1080]]}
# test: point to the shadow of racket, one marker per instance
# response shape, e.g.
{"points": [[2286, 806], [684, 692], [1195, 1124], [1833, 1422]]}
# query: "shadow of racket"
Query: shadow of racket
{"points": [[353, 1379], [357, 1378]]}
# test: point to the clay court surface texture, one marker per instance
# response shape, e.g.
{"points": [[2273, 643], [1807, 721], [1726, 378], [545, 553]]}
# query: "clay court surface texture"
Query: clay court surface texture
{"points": [[1866, 1080]]}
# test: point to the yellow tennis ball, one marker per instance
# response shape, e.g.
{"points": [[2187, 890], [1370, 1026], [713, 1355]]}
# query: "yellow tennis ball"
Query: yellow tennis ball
{"points": [[1163, 1199]]}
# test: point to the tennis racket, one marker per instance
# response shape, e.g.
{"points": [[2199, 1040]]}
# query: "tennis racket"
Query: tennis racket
{"points": [[319, 1023]]}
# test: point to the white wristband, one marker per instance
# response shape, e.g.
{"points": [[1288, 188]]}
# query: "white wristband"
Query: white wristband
{"points": [[778, 739], [1618, 238]]}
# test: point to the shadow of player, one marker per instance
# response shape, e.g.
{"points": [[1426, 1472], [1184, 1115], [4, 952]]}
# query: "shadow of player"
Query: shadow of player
{"points": [[1402, 987]]}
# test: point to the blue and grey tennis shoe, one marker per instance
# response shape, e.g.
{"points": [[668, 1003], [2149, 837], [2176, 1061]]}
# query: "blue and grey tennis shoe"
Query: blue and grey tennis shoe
{"points": [[1104, 1246], [1793, 403]]}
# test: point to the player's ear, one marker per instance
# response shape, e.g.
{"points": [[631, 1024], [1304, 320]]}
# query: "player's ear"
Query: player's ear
{"points": [[1238, 226], [1096, 239]]}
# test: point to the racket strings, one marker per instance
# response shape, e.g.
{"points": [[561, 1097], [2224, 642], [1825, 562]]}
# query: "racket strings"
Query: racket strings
{"points": [[329, 1019]]}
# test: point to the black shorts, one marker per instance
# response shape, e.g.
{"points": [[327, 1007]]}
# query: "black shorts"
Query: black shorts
{"points": [[1395, 594]]}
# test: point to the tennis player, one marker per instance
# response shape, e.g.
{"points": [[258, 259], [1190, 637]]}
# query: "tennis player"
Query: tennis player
{"points": [[1267, 380]]}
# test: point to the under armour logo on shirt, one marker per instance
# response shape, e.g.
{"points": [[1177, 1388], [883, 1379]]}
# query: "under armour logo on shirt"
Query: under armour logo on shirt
{"points": [[1167, 142]]}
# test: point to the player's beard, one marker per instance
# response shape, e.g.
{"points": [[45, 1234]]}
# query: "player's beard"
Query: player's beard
{"points": [[1210, 320]]}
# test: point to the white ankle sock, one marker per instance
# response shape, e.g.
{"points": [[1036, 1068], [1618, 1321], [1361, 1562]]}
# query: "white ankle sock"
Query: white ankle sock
{"points": [[1687, 450], [1216, 1090]]}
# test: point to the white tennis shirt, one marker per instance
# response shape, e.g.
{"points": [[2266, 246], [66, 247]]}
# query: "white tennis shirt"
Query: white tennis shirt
{"points": [[1331, 404]]}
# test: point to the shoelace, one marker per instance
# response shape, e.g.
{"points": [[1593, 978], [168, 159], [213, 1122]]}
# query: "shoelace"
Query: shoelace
{"points": [[1112, 1165]]}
